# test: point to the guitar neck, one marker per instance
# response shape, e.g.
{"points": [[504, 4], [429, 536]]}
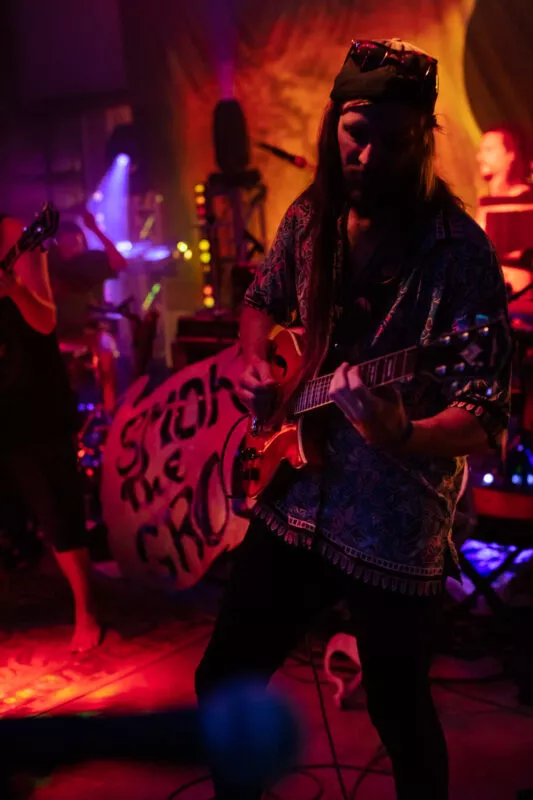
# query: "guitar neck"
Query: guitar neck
{"points": [[8, 261], [378, 372]]}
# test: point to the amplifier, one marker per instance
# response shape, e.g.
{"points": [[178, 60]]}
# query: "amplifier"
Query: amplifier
{"points": [[201, 336]]}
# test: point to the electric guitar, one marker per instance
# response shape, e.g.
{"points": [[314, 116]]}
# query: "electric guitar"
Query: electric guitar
{"points": [[471, 354], [43, 227]]}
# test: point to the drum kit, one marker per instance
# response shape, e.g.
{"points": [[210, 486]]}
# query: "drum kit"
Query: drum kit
{"points": [[494, 478], [82, 361]]}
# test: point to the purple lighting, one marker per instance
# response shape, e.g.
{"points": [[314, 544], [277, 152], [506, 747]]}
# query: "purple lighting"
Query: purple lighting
{"points": [[157, 253], [110, 201], [221, 33]]}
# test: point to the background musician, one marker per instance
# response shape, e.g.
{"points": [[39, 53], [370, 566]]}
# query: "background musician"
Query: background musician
{"points": [[38, 464]]}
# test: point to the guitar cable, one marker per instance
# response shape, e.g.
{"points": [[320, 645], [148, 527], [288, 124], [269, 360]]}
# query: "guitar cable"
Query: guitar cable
{"points": [[306, 770], [228, 494], [325, 720]]}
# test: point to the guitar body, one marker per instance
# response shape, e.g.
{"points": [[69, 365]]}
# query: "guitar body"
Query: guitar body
{"points": [[282, 439], [479, 352]]}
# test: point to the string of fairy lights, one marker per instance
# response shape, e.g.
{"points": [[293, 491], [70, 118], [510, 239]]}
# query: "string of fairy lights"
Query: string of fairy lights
{"points": [[184, 250]]}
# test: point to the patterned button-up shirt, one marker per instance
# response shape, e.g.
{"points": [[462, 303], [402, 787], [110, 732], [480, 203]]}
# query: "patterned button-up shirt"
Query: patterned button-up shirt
{"points": [[384, 518]]}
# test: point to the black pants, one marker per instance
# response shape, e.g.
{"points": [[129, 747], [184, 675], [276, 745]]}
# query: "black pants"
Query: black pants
{"points": [[43, 477], [274, 595]]}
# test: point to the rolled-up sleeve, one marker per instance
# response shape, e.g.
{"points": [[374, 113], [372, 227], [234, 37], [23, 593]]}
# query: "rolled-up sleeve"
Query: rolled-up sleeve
{"points": [[477, 291], [273, 287]]}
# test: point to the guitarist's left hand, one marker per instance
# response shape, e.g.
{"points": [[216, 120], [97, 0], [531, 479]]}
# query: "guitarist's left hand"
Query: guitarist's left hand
{"points": [[378, 415]]}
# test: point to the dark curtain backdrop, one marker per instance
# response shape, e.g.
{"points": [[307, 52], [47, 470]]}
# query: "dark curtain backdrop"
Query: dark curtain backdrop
{"points": [[278, 57]]}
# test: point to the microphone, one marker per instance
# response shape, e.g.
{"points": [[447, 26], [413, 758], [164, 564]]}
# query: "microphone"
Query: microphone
{"points": [[297, 161]]}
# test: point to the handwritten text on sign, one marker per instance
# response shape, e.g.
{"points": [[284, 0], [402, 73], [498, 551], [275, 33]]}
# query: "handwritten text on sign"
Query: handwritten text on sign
{"points": [[168, 468]]}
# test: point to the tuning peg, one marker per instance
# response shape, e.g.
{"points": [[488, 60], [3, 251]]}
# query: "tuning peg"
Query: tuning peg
{"points": [[445, 340], [440, 370], [459, 367]]}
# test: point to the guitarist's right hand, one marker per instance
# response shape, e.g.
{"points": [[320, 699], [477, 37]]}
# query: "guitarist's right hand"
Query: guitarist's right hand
{"points": [[258, 390]]}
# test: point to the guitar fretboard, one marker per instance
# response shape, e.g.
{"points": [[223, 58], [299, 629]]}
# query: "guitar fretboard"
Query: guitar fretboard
{"points": [[378, 372]]}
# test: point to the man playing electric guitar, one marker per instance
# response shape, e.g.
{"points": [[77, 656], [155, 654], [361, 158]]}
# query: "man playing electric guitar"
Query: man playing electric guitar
{"points": [[38, 463], [376, 256]]}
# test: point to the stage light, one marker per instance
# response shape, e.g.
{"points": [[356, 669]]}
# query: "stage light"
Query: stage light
{"points": [[123, 160], [98, 196], [205, 258], [157, 253], [488, 478], [124, 247], [530, 480], [517, 480], [231, 139], [200, 200], [199, 188], [187, 255], [204, 244], [208, 291], [209, 302], [182, 247], [207, 270]]}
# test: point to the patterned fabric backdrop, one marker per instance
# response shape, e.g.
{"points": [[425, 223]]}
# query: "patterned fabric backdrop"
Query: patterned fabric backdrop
{"points": [[279, 59]]}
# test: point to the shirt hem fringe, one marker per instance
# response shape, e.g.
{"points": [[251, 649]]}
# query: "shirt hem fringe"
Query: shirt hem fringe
{"points": [[374, 577]]}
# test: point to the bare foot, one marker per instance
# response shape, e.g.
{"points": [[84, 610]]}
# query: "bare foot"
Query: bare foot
{"points": [[87, 635]]}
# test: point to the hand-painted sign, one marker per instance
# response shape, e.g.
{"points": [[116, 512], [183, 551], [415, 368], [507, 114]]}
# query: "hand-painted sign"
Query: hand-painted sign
{"points": [[169, 467]]}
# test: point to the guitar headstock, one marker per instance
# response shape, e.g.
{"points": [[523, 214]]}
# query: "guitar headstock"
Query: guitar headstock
{"points": [[475, 353], [43, 227]]}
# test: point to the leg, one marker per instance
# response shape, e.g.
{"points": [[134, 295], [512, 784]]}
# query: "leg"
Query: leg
{"points": [[47, 473], [273, 594], [76, 567], [395, 636]]}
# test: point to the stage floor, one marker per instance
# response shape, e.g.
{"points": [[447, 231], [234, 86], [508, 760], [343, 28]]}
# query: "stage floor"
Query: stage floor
{"points": [[147, 662]]}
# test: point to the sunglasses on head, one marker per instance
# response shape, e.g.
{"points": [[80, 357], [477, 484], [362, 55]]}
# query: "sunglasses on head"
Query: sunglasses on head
{"points": [[370, 55]]}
